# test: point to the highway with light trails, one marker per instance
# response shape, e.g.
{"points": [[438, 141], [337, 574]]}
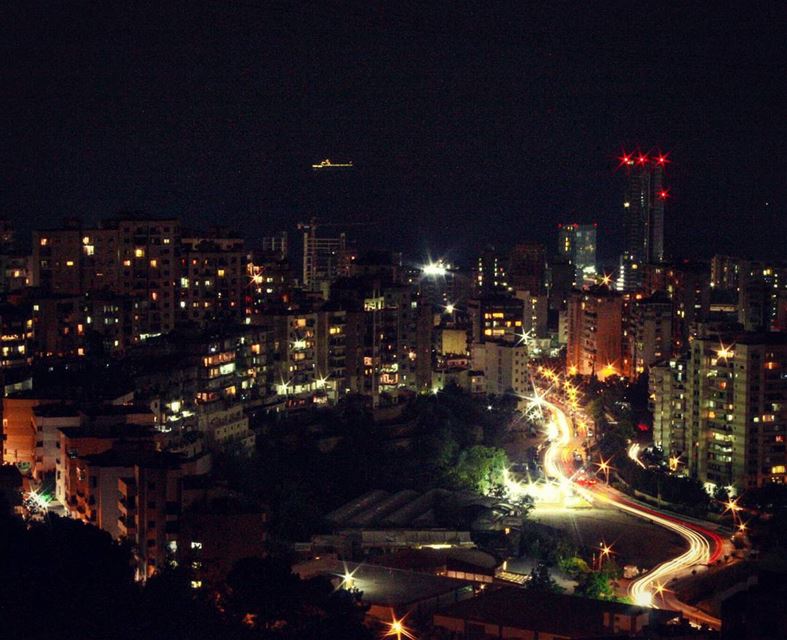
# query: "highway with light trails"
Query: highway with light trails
{"points": [[704, 546]]}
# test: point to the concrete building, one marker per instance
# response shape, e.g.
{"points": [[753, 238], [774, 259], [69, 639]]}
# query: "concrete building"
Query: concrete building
{"points": [[332, 353], [651, 333], [325, 258], [643, 217], [16, 336], [495, 318], [595, 332], [217, 528], [490, 275], [762, 288], [513, 612], [736, 417], [226, 427], [526, 267], [577, 245], [213, 278], [504, 366], [668, 401], [149, 505], [48, 419], [130, 255], [534, 315], [148, 253]]}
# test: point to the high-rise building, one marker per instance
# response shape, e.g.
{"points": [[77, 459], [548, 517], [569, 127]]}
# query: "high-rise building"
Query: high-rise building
{"points": [[490, 274], [725, 272], [495, 318], [276, 244], [667, 387], [762, 288], [148, 249], [212, 283], [526, 267], [577, 244], [651, 330], [736, 416], [643, 216], [595, 332], [324, 258]]}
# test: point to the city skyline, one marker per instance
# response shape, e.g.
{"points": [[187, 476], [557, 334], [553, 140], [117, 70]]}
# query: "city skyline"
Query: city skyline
{"points": [[381, 321], [442, 127]]}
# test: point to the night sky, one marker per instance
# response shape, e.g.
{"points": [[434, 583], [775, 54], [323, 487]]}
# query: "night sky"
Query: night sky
{"points": [[465, 125]]}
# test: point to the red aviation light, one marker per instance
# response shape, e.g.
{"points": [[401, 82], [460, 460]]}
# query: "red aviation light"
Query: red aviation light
{"points": [[662, 159], [625, 160], [642, 159], [663, 194]]}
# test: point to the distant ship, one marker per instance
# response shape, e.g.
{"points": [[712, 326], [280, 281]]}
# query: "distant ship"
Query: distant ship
{"points": [[327, 165]]}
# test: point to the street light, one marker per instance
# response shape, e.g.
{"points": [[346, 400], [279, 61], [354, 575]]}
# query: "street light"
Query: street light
{"points": [[397, 628], [603, 465]]}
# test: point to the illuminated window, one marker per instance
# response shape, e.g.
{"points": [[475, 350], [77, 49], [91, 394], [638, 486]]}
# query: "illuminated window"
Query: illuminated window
{"points": [[154, 263], [779, 468], [221, 273], [69, 263], [139, 253], [44, 242], [126, 263]]}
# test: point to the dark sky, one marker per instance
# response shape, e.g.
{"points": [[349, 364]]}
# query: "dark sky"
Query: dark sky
{"points": [[465, 125]]}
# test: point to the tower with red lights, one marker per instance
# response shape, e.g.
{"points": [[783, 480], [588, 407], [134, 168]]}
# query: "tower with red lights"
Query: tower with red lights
{"points": [[643, 216]]}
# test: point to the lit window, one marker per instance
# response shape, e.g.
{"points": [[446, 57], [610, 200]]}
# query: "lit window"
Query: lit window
{"points": [[69, 263], [44, 242], [154, 263], [139, 253]]}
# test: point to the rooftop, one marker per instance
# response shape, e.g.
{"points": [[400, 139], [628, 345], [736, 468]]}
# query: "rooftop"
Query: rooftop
{"points": [[395, 587], [559, 614]]}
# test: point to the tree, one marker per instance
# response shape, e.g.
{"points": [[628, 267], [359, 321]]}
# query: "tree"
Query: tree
{"points": [[269, 601], [595, 584], [541, 580], [61, 578], [261, 593], [170, 608], [480, 468]]}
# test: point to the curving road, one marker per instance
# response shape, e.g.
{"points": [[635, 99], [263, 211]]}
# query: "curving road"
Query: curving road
{"points": [[704, 546]]}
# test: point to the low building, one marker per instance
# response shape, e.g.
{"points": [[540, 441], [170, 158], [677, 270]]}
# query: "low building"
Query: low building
{"points": [[390, 592], [512, 612]]}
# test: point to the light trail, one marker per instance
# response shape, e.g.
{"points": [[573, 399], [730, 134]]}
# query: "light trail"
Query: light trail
{"points": [[698, 538], [633, 453]]}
